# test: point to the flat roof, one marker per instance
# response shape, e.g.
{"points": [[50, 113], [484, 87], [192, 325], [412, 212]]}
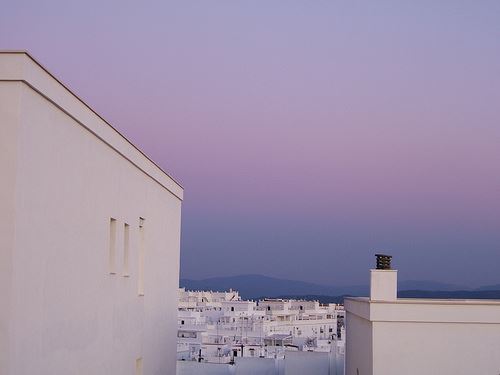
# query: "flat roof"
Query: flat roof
{"points": [[431, 301], [415, 310]]}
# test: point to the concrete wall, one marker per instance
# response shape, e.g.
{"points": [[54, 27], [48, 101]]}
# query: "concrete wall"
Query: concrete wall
{"points": [[68, 313]]}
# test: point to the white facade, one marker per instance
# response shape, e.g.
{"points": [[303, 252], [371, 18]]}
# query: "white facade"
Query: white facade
{"points": [[89, 237], [393, 336]]}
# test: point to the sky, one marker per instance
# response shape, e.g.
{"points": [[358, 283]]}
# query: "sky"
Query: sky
{"points": [[308, 135]]}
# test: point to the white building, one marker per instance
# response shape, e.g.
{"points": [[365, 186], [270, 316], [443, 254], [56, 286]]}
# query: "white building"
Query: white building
{"points": [[387, 335], [201, 298], [89, 237], [220, 328], [301, 319]]}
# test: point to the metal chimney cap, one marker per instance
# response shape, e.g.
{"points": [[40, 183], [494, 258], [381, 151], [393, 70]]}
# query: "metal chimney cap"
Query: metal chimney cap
{"points": [[383, 261]]}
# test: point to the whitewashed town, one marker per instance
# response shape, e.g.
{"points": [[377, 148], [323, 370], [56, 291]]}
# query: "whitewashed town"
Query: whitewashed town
{"points": [[220, 327]]}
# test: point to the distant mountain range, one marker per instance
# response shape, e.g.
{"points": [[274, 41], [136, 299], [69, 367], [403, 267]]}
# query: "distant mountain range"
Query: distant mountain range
{"points": [[456, 294], [255, 286], [489, 287], [259, 286]]}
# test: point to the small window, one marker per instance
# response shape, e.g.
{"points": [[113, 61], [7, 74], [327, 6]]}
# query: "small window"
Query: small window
{"points": [[232, 308], [142, 250], [126, 249], [138, 366], [182, 321], [112, 246]]}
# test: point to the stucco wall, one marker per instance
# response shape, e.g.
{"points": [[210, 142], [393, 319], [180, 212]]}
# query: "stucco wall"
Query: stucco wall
{"points": [[436, 348], [294, 363], [297, 363], [358, 345], [257, 366], [10, 94], [195, 368], [69, 315]]}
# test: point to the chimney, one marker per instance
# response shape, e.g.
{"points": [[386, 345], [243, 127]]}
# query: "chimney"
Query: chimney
{"points": [[383, 280]]}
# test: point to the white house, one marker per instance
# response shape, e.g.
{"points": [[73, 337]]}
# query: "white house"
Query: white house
{"points": [[387, 335], [89, 237]]}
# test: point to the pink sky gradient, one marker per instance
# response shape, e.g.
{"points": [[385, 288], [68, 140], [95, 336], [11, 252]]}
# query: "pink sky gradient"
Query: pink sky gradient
{"points": [[308, 135]]}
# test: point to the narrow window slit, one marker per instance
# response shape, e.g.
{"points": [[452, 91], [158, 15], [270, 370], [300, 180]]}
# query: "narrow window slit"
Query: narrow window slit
{"points": [[126, 250], [112, 246]]}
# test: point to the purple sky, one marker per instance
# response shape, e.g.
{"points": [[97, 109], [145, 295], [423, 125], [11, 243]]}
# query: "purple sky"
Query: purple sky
{"points": [[308, 134]]}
